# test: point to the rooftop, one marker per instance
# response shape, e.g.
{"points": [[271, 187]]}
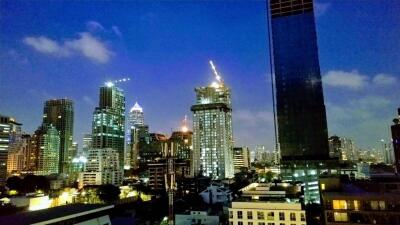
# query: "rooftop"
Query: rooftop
{"points": [[53, 215]]}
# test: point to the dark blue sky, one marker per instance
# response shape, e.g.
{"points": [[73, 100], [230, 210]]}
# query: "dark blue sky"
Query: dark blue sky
{"points": [[68, 49]]}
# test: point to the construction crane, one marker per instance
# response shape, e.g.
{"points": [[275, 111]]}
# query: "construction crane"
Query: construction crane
{"points": [[112, 83], [217, 75]]}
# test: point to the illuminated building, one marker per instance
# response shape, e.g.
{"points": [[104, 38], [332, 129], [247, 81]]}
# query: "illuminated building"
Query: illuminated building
{"points": [[152, 146], [396, 141], [108, 128], [47, 144], [212, 131], [102, 167], [198, 217], [17, 155], [87, 143], [241, 158], [136, 121], [60, 114], [300, 110], [181, 142], [371, 201], [264, 203], [10, 131], [157, 171]]}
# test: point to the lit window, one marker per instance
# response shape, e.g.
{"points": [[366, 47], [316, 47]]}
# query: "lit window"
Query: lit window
{"points": [[339, 204], [340, 217], [322, 186], [356, 205]]}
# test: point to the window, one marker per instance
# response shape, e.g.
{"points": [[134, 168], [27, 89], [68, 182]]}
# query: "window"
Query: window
{"points": [[249, 215], [322, 186], [281, 216], [230, 214], [282, 224], [230, 223], [240, 223], [292, 217], [250, 223], [302, 217], [356, 205], [339, 204], [270, 216], [271, 223], [340, 217], [239, 214], [378, 205], [261, 223], [260, 215]]}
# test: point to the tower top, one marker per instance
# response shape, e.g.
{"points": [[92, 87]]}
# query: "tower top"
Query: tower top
{"points": [[136, 108]]}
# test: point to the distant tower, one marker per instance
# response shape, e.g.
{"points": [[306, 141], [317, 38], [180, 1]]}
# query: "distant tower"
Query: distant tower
{"points": [[212, 130], [60, 113], [136, 122], [396, 140], [181, 142], [108, 129], [136, 115]]}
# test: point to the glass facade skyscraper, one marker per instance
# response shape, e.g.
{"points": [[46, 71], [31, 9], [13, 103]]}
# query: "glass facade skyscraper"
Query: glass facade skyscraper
{"points": [[212, 132], [301, 116], [60, 114], [108, 128], [300, 110]]}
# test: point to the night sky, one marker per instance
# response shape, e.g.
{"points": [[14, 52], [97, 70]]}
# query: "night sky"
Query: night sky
{"points": [[61, 49]]}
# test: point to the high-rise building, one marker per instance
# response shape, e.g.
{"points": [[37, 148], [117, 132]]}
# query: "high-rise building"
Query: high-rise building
{"points": [[86, 144], [300, 110], [18, 155], [335, 147], [47, 143], [181, 142], [102, 167], [136, 121], [241, 158], [10, 131], [212, 131], [301, 116], [108, 129], [396, 140], [60, 113]]}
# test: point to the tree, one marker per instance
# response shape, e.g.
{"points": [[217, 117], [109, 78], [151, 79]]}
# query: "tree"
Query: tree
{"points": [[108, 193], [15, 183]]}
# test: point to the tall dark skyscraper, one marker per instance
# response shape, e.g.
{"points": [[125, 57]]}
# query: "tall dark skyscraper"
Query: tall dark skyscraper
{"points": [[60, 114], [108, 128], [396, 140], [301, 116]]}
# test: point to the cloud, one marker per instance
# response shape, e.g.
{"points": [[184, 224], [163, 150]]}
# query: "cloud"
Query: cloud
{"points": [[253, 118], [116, 31], [45, 45], [321, 8], [384, 79], [86, 45], [370, 114], [93, 26], [351, 80], [90, 47]]}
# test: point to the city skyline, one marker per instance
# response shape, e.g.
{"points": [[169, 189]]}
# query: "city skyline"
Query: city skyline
{"points": [[45, 54]]}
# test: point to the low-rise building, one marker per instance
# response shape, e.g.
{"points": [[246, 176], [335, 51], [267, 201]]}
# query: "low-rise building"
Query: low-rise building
{"points": [[216, 193], [372, 201], [268, 204], [196, 218]]}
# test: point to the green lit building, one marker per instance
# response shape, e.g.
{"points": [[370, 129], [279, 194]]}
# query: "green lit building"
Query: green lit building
{"points": [[212, 131], [47, 141], [108, 127], [60, 114]]}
